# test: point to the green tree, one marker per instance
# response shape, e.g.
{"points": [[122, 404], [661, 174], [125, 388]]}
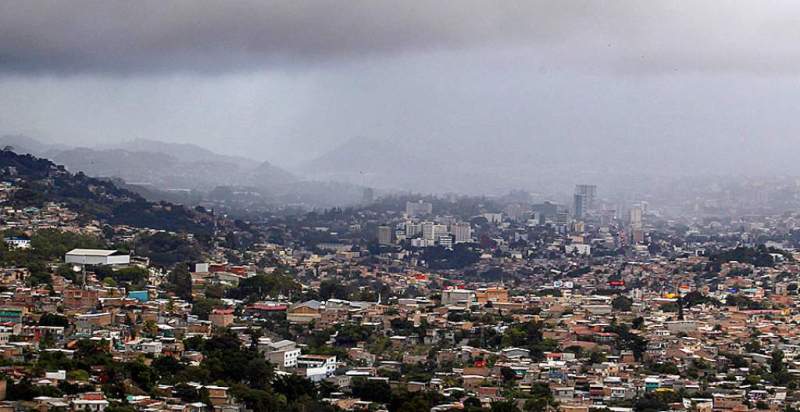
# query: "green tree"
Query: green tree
{"points": [[202, 307], [53, 319], [181, 281], [622, 303], [504, 406], [778, 370]]}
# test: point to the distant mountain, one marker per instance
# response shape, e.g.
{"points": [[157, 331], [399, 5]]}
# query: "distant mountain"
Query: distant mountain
{"points": [[269, 176], [165, 166], [361, 155], [184, 152], [40, 181], [187, 173], [128, 165], [25, 144], [375, 163]]}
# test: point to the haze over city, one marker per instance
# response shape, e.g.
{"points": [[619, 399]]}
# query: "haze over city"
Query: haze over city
{"points": [[399, 206], [521, 91]]}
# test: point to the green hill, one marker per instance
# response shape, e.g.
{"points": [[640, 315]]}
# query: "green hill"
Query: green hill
{"points": [[40, 181]]}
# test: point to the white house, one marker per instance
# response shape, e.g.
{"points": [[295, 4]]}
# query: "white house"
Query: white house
{"points": [[283, 353], [317, 367], [18, 242]]}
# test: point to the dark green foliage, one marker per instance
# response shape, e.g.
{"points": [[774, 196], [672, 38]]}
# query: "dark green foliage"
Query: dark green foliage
{"points": [[119, 408], [472, 404], [622, 303], [24, 390], [53, 319], [778, 370], [372, 390], [329, 289], [202, 307], [130, 277], [258, 400], [133, 276], [656, 401], [166, 250], [180, 281], [504, 406], [142, 375], [667, 368], [414, 401], [696, 298], [743, 302], [352, 333], [461, 256], [759, 256], [629, 340], [166, 366], [263, 285], [69, 388], [295, 388], [226, 360]]}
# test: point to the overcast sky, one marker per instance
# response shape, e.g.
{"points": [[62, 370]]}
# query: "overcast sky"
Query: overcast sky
{"points": [[507, 80]]}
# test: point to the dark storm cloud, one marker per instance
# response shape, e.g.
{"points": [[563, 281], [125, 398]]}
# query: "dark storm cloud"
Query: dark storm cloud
{"points": [[135, 36], [156, 36]]}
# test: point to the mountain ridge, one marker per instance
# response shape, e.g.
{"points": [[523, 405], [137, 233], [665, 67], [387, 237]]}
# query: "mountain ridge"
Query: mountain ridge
{"points": [[38, 181]]}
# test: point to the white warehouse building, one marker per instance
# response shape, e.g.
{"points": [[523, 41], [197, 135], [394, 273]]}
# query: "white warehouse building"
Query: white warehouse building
{"points": [[96, 257]]}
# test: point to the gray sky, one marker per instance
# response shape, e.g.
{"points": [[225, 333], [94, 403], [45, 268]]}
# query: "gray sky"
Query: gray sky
{"points": [[701, 85]]}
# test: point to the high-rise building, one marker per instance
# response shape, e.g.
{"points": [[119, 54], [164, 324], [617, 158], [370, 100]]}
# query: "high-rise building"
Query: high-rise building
{"points": [[561, 221], [440, 230], [636, 219], [584, 199], [589, 192], [427, 230], [384, 235], [636, 216], [462, 232], [579, 206], [413, 229], [431, 231], [516, 212]]}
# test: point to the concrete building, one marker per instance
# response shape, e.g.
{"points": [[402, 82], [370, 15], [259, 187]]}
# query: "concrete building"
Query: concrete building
{"points": [[96, 257], [462, 232], [492, 294], [432, 231], [384, 235], [636, 217], [304, 312], [221, 317], [458, 297], [412, 229], [445, 241], [589, 195], [317, 367], [283, 353]]}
